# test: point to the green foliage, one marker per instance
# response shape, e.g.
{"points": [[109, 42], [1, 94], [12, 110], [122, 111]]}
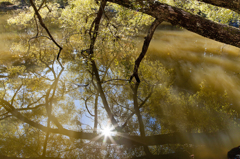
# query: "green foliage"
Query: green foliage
{"points": [[26, 19], [204, 111], [37, 82], [211, 12], [16, 71]]}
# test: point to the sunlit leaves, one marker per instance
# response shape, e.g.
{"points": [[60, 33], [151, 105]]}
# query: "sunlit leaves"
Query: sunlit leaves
{"points": [[79, 15], [205, 111], [31, 87], [25, 17], [16, 71], [211, 12]]}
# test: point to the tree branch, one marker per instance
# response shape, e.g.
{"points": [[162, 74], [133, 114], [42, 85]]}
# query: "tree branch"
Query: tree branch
{"points": [[229, 4], [94, 67], [87, 106], [45, 143], [140, 121], [102, 95], [45, 27], [145, 48], [209, 29], [141, 105], [7, 116], [16, 93], [96, 114], [96, 23], [124, 139]]}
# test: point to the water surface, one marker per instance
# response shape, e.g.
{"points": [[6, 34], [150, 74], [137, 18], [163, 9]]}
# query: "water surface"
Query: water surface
{"points": [[192, 58]]}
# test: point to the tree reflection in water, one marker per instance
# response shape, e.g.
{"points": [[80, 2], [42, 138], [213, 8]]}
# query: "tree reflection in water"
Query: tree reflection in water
{"points": [[40, 115], [152, 118]]}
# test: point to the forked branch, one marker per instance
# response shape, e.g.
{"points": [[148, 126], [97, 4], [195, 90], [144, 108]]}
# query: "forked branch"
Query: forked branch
{"points": [[45, 27]]}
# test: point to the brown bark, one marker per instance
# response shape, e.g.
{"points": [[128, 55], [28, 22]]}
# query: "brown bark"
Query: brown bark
{"points": [[209, 29], [229, 4]]}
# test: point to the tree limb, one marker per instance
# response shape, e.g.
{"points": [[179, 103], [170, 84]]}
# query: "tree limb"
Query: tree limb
{"points": [[209, 29], [16, 93], [140, 121], [96, 114], [128, 140], [141, 105], [87, 106], [145, 48], [94, 67], [45, 27], [229, 4], [102, 95], [96, 25]]}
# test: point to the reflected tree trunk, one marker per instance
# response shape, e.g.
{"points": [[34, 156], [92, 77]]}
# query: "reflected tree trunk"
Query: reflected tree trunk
{"points": [[139, 141], [93, 36], [49, 104], [140, 121], [102, 94], [95, 114], [145, 46]]}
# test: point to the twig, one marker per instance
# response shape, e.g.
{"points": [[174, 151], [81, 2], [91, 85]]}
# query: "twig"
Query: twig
{"points": [[115, 80], [16, 93], [44, 26], [87, 106]]}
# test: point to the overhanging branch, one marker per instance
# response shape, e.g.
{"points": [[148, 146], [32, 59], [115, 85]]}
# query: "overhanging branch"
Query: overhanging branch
{"points": [[229, 4], [209, 29]]}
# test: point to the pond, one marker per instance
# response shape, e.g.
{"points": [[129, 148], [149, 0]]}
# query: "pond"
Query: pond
{"points": [[189, 86]]}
